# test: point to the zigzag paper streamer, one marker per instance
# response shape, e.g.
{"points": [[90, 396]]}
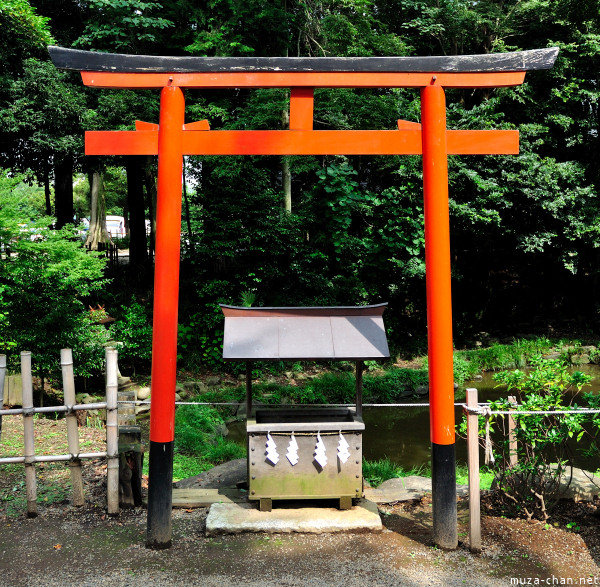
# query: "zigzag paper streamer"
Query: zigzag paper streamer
{"points": [[292, 451], [342, 449], [319, 453], [271, 452]]}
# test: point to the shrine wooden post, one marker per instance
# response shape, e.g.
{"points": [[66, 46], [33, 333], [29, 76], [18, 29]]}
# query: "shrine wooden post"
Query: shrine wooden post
{"points": [[171, 139]]}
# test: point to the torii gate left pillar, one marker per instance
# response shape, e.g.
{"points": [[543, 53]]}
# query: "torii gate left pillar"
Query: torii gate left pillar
{"points": [[166, 302], [171, 139]]}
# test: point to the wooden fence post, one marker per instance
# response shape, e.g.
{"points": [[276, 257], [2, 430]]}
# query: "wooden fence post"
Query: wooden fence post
{"points": [[112, 432], [473, 463], [512, 440], [2, 378], [28, 438], [66, 363]]}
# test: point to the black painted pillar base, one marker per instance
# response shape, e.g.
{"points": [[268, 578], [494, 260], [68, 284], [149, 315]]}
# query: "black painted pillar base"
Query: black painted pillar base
{"points": [[443, 482], [160, 495]]}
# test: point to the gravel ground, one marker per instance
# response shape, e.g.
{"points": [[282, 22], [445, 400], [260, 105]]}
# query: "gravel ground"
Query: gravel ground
{"points": [[81, 548], [69, 546]]}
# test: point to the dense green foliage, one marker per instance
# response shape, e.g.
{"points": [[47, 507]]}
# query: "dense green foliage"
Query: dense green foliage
{"points": [[44, 276], [525, 229], [133, 331], [546, 442]]}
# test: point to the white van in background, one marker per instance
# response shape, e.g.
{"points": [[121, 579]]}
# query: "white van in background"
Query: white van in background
{"points": [[115, 225]]}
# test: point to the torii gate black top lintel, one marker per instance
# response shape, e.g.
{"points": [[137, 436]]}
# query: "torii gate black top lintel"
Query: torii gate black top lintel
{"points": [[536, 59]]}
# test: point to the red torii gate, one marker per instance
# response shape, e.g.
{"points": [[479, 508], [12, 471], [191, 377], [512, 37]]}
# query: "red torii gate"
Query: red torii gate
{"points": [[171, 139]]}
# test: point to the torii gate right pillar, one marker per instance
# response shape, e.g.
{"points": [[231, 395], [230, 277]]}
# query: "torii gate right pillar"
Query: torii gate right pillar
{"points": [[439, 315]]}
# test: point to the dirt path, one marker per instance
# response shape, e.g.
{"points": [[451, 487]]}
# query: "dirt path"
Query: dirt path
{"points": [[68, 546]]}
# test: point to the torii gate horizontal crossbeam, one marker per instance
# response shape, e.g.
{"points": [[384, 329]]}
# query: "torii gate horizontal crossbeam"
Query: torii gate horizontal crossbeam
{"points": [[298, 142], [65, 58], [278, 79]]}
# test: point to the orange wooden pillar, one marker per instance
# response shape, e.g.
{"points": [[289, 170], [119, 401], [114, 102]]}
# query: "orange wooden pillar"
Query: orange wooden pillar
{"points": [[166, 299], [439, 315]]}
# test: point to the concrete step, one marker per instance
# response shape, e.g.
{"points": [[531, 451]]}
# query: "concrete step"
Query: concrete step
{"points": [[235, 518]]}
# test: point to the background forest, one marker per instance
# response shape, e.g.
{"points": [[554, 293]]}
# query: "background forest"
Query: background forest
{"points": [[296, 230]]}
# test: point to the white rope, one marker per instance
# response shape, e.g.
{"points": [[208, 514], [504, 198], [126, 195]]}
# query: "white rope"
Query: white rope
{"points": [[489, 454], [140, 402], [481, 411]]}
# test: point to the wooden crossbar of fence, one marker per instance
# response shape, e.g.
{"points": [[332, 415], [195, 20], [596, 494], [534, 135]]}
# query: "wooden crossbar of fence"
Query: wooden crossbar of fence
{"points": [[74, 458]]}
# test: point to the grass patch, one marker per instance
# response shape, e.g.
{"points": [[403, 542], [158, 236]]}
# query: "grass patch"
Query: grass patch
{"points": [[200, 441], [376, 472], [486, 477], [53, 486], [185, 466], [53, 479], [497, 357]]}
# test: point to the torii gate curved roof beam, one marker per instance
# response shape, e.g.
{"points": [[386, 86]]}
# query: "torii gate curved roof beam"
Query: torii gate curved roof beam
{"points": [[111, 70]]}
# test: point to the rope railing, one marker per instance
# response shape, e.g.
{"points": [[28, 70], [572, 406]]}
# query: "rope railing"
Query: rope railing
{"points": [[481, 411], [482, 408], [287, 405]]}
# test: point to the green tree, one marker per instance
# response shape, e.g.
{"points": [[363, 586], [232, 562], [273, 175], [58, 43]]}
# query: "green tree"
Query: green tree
{"points": [[524, 229], [42, 124], [43, 284], [25, 34], [125, 26]]}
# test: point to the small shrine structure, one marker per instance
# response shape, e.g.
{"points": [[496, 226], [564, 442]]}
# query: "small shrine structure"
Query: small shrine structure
{"points": [[323, 446]]}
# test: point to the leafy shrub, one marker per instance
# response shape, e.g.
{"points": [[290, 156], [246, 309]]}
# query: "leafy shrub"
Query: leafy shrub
{"points": [[505, 356], [532, 485], [44, 284], [393, 384], [200, 337], [335, 388], [464, 370], [133, 330], [593, 450]]}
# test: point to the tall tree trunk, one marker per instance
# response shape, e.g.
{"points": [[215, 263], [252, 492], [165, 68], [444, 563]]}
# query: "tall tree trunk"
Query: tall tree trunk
{"points": [[150, 184], [63, 190], [190, 241], [286, 174], [138, 252], [47, 189], [97, 232]]}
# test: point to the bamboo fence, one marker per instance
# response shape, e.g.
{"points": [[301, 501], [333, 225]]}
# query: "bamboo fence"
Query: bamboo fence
{"points": [[70, 408]]}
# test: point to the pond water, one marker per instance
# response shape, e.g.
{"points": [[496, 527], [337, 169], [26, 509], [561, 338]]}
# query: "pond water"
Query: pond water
{"points": [[402, 434]]}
